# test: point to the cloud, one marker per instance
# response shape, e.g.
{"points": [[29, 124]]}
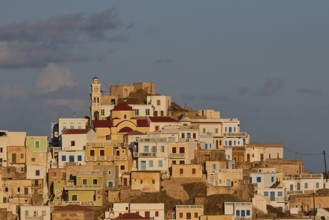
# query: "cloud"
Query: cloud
{"points": [[54, 77], [163, 61], [272, 86], [304, 91], [57, 39]]}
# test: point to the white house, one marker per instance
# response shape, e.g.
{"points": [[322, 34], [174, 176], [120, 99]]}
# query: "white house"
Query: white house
{"points": [[263, 177], [71, 123], [303, 183], [262, 152], [239, 210], [157, 123], [4, 141], [76, 139], [160, 104], [71, 157]]}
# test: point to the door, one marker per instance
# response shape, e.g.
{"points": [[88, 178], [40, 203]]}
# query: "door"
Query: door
{"points": [[272, 196], [228, 182], [13, 158], [143, 165], [248, 157], [125, 181]]}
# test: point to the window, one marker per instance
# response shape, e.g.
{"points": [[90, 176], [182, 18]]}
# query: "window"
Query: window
{"points": [[136, 111], [182, 150], [79, 158], [18, 189], [213, 166], [188, 135], [183, 135], [317, 185], [181, 162], [37, 172], [84, 181], [92, 153], [194, 135], [74, 197], [147, 214], [102, 153], [212, 178], [153, 181], [95, 181], [110, 184], [243, 213], [181, 171], [204, 130], [265, 193], [248, 212], [188, 215], [26, 190], [160, 163], [306, 185], [147, 112], [102, 112], [33, 159], [219, 181], [109, 172], [72, 143], [193, 171], [26, 212], [272, 179], [259, 179], [237, 213], [44, 213], [146, 149], [216, 131], [156, 213], [280, 194], [158, 102], [6, 189], [22, 156], [180, 215], [1, 150], [37, 144], [162, 149], [63, 158], [151, 163], [122, 167], [125, 116]]}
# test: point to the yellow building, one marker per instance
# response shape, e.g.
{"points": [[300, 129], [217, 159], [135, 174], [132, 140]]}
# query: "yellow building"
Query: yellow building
{"points": [[189, 212], [85, 189], [186, 171], [123, 120], [72, 212]]}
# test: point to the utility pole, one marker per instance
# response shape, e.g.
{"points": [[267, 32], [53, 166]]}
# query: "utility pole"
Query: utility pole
{"points": [[325, 164]]}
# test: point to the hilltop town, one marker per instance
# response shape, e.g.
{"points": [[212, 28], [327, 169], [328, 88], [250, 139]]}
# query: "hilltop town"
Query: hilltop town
{"points": [[140, 155]]}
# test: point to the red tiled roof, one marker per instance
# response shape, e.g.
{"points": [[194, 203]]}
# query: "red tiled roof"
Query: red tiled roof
{"points": [[131, 216], [102, 123], [162, 119], [76, 131], [122, 107], [125, 129], [142, 123]]}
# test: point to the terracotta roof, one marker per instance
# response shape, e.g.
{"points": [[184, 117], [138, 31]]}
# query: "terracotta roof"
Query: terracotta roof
{"points": [[102, 123], [162, 119], [76, 131], [142, 123], [131, 216], [122, 107], [125, 129]]}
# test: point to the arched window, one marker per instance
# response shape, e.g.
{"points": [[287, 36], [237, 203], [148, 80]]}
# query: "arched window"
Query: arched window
{"points": [[96, 115]]}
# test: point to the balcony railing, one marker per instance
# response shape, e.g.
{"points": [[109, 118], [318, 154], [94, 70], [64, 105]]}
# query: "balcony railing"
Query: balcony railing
{"points": [[82, 187], [237, 134], [79, 203], [148, 154], [123, 157], [177, 155]]}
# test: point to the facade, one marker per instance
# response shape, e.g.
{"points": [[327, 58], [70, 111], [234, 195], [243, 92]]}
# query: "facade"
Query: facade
{"points": [[160, 104], [239, 210], [225, 177], [72, 212], [182, 152], [35, 213], [186, 171], [145, 181], [76, 139], [147, 210], [263, 152], [189, 212]]}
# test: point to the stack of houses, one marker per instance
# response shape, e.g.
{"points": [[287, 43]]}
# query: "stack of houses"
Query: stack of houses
{"points": [[141, 156]]}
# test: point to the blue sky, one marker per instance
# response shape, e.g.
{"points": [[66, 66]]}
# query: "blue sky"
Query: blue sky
{"points": [[263, 62]]}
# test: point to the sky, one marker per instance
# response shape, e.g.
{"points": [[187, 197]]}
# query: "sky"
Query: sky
{"points": [[264, 62]]}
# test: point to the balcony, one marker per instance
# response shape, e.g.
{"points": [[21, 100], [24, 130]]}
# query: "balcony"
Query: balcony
{"points": [[70, 163], [148, 154], [37, 185], [99, 158], [82, 187], [80, 203], [123, 157], [235, 135], [177, 155]]}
